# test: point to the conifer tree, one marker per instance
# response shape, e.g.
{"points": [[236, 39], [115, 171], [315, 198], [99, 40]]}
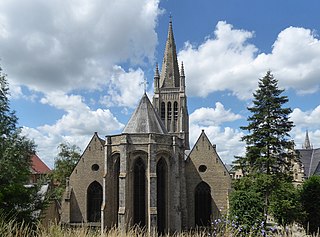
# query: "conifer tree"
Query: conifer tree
{"points": [[269, 149], [15, 161]]}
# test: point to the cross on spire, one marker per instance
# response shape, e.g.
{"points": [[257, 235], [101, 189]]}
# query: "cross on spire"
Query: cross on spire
{"points": [[144, 83]]}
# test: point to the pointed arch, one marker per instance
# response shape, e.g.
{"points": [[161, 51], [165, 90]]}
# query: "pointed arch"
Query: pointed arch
{"points": [[169, 113], [94, 201], [203, 208], [116, 170], [163, 111], [162, 193], [175, 116], [139, 193]]}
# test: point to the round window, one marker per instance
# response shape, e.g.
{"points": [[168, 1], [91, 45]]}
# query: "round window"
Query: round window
{"points": [[95, 167], [202, 168]]}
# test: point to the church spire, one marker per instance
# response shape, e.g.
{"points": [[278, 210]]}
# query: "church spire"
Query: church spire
{"points": [[170, 76], [307, 144]]}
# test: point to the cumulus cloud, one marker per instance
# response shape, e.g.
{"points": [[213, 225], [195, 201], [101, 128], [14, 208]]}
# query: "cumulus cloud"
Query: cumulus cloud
{"points": [[119, 93], [67, 45], [229, 62], [213, 116], [306, 120], [75, 126], [211, 120]]}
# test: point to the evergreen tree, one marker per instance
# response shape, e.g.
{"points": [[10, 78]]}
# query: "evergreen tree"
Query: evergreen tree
{"points": [[269, 150], [15, 162]]}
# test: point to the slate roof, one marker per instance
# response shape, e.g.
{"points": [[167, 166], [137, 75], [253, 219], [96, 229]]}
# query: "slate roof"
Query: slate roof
{"points": [[310, 159], [145, 119]]}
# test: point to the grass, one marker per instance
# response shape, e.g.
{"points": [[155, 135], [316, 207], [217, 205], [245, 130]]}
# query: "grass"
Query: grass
{"points": [[13, 229]]}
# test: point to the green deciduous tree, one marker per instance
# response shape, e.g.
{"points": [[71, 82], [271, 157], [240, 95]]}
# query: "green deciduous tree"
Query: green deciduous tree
{"points": [[310, 200], [64, 164], [285, 204], [15, 162], [269, 149]]}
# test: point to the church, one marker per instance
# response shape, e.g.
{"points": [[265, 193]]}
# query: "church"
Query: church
{"points": [[148, 176]]}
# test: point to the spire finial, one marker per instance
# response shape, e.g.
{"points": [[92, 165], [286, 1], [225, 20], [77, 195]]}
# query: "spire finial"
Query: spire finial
{"points": [[156, 74], [307, 144], [170, 18], [182, 70]]}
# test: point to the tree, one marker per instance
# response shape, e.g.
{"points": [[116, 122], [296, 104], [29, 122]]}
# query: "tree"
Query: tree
{"points": [[285, 204], [246, 204], [16, 200], [309, 196], [269, 150], [64, 164]]}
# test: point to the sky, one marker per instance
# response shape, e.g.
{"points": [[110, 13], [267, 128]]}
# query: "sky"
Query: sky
{"points": [[76, 67]]}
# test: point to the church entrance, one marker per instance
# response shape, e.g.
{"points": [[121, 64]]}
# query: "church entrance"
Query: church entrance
{"points": [[94, 201], [162, 174], [139, 194], [202, 205]]}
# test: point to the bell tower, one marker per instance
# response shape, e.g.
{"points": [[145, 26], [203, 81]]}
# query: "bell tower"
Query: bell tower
{"points": [[170, 100]]}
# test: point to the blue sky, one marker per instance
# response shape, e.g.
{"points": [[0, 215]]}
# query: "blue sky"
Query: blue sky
{"points": [[76, 67]]}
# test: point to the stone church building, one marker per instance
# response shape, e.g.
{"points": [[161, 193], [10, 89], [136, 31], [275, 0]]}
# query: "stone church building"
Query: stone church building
{"points": [[147, 175]]}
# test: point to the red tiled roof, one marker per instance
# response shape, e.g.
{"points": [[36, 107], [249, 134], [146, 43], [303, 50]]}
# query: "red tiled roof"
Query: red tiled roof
{"points": [[39, 166]]}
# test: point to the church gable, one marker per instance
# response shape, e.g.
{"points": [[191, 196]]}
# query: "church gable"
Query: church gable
{"points": [[85, 180], [205, 168]]}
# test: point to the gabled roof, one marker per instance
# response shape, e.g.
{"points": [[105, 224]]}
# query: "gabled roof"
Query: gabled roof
{"points": [[145, 119], [38, 166], [310, 159]]}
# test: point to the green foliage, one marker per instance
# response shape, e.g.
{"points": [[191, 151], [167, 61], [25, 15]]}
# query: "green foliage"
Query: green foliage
{"points": [[268, 148], [15, 163], [64, 164], [285, 204], [310, 194], [269, 155], [247, 203]]}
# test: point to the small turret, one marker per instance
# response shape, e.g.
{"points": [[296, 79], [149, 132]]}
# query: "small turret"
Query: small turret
{"points": [[182, 78], [156, 79]]}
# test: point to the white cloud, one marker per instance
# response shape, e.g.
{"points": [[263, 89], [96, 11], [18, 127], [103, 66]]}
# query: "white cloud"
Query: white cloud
{"points": [[211, 120], [69, 44], [75, 126], [306, 120], [125, 88], [228, 61], [213, 116]]}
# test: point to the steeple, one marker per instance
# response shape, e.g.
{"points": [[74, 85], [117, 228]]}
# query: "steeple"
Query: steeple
{"points": [[170, 76], [307, 144], [170, 99]]}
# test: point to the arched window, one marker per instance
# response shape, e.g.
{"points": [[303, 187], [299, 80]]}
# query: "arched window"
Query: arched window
{"points": [[116, 168], [163, 111], [94, 201], [175, 116], [162, 192], [169, 111], [175, 110], [139, 193], [202, 205]]}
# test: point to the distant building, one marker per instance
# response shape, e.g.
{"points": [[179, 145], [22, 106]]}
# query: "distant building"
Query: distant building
{"points": [[146, 176], [39, 169], [310, 158]]}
